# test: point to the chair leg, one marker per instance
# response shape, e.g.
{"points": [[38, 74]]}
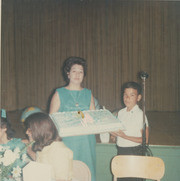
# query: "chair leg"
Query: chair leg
{"points": [[115, 178]]}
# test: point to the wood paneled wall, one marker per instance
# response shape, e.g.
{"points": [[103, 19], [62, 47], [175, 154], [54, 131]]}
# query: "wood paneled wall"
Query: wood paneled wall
{"points": [[118, 38]]}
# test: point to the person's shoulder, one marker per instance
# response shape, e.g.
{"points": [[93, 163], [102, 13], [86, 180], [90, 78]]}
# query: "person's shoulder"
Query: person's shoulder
{"points": [[86, 90], [20, 141], [122, 110], [59, 146], [60, 88], [137, 109], [16, 142], [138, 113]]}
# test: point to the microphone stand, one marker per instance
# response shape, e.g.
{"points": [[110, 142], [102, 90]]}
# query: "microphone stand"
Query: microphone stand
{"points": [[144, 76]]}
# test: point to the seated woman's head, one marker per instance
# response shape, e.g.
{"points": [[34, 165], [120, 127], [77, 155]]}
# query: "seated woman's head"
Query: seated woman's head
{"points": [[41, 129], [6, 132]]}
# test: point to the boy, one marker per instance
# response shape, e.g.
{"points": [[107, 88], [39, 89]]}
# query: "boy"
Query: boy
{"points": [[129, 140]]}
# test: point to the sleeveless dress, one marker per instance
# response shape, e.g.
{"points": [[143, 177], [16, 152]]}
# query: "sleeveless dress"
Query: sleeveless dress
{"points": [[83, 147]]}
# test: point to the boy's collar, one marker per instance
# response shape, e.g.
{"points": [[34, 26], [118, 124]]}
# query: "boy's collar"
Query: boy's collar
{"points": [[133, 109]]}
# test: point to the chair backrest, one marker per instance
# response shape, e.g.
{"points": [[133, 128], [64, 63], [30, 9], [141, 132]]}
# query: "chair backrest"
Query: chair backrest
{"points": [[137, 166], [81, 171]]}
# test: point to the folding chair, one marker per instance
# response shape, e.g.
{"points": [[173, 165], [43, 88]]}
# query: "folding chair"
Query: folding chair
{"points": [[81, 171], [146, 167]]}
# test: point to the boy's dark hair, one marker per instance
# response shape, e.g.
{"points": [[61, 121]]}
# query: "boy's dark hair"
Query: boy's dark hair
{"points": [[133, 85], [69, 62]]}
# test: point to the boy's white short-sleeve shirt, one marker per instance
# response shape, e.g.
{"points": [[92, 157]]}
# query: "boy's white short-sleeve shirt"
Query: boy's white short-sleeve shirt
{"points": [[133, 123]]}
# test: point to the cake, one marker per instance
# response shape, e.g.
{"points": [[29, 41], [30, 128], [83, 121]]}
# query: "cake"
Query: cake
{"points": [[85, 122]]}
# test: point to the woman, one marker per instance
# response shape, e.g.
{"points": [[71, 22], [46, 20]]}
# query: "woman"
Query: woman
{"points": [[73, 97], [48, 146], [8, 142]]}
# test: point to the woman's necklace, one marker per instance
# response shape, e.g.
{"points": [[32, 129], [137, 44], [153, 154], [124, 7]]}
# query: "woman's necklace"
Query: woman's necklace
{"points": [[75, 98]]}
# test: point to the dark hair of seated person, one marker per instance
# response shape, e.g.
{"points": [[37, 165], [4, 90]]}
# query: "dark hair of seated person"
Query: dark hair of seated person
{"points": [[43, 130], [4, 123]]}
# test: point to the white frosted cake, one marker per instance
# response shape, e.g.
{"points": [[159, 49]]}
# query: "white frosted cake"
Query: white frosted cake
{"points": [[85, 122]]}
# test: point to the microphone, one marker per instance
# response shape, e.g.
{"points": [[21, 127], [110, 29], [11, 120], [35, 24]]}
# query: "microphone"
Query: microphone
{"points": [[143, 75]]}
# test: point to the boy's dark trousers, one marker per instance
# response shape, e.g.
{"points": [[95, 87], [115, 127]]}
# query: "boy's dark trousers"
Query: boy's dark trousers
{"points": [[137, 150]]}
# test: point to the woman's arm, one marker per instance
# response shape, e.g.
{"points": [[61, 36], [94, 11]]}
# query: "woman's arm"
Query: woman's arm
{"points": [[92, 105], [55, 103]]}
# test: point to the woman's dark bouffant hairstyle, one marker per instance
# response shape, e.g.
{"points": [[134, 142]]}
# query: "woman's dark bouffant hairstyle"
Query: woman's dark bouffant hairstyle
{"points": [[69, 62], [4, 123], [43, 130]]}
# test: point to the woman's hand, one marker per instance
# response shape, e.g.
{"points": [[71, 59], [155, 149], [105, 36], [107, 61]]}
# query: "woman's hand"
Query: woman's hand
{"points": [[113, 138], [119, 133]]}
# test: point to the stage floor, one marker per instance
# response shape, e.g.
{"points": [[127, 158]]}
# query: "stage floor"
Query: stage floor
{"points": [[164, 128]]}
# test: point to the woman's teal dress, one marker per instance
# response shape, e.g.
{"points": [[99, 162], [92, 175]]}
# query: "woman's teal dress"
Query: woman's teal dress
{"points": [[83, 147]]}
